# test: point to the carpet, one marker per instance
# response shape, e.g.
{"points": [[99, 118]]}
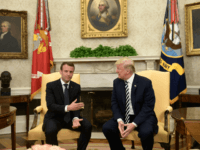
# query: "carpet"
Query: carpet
{"points": [[91, 146]]}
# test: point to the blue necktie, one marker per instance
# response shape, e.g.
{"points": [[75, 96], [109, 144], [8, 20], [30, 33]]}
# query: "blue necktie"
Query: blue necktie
{"points": [[127, 117]]}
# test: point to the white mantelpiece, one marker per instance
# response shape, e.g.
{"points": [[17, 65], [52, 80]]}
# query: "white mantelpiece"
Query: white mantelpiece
{"points": [[94, 65]]}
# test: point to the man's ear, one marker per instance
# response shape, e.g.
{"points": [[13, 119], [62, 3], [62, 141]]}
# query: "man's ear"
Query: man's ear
{"points": [[127, 70]]}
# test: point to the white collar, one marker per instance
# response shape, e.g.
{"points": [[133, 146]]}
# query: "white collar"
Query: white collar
{"points": [[4, 33], [104, 14], [130, 80], [62, 82]]}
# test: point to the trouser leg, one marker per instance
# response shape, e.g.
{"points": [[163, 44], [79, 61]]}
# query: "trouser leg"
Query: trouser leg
{"points": [[111, 132], [51, 130], [146, 134], [85, 129]]}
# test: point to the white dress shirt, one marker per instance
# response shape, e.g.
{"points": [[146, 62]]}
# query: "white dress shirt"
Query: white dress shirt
{"points": [[130, 83], [63, 86]]}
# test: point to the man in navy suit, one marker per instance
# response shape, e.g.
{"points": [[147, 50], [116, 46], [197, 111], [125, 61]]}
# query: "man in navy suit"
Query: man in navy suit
{"points": [[62, 115], [140, 108]]}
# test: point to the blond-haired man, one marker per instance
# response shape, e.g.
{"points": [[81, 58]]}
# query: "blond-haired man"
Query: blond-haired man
{"points": [[132, 105]]}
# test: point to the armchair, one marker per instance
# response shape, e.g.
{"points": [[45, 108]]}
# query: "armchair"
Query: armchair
{"points": [[36, 132], [161, 85]]}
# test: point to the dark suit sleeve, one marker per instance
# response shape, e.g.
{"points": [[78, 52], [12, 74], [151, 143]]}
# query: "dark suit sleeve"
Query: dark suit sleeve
{"points": [[77, 113], [51, 101], [148, 105], [115, 104]]}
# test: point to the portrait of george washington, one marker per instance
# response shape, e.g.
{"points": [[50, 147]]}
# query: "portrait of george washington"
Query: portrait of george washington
{"points": [[103, 14]]}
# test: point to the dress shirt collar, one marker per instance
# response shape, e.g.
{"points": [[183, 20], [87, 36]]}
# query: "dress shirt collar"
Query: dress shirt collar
{"points": [[130, 80], [2, 35], [62, 82]]}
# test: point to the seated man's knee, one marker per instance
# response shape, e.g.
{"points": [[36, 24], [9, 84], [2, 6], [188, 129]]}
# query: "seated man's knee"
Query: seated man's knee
{"points": [[50, 130], [105, 128], [145, 133], [87, 125]]}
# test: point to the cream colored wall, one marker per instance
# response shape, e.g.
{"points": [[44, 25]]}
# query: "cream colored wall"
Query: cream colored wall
{"points": [[145, 21]]}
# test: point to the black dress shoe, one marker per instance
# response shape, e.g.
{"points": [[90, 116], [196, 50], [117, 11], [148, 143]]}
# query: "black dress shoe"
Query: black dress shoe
{"points": [[195, 145]]}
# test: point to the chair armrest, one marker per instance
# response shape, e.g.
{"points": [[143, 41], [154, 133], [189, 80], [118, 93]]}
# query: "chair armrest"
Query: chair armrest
{"points": [[36, 111], [169, 108], [167, 112]]}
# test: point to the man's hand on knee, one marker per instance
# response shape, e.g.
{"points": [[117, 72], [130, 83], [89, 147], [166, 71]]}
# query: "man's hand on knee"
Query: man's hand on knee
{"points": [[129, 129], [76, 123], [121, 127]]}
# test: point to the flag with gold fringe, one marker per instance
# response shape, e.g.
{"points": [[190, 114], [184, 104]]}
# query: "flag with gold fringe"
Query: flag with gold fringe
{"points": [[42, 60], [171, 54]]}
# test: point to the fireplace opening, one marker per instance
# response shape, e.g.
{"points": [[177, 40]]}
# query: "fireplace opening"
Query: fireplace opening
{"points": [[97, 108]]}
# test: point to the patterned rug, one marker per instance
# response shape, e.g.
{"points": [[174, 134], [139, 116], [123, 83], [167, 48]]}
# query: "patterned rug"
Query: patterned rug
{"points": [[91, 146]]}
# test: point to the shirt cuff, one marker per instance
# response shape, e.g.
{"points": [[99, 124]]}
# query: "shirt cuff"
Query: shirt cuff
{"points": [[66, 108], [74, 118], [118, 120], [134, 124]]}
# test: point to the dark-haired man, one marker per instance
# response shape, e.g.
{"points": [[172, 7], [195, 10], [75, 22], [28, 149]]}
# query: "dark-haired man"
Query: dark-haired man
{"points": [[63, 105]]}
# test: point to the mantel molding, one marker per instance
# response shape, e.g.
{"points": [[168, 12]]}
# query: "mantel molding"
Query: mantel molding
{"points": [[105, 59], [107, 64]]}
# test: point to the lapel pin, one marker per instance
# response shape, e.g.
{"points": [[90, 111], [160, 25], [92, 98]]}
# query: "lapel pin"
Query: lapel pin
{"points": [[135, 85]]}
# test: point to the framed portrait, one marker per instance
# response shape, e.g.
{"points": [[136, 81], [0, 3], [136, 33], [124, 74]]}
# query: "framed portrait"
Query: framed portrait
{"points": [[13, 34], [103, 18], [192, 28]]}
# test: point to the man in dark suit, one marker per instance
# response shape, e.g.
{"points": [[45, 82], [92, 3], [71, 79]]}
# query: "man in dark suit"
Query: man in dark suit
{"points": [[7, 42], [63, 105], [132, 107]]}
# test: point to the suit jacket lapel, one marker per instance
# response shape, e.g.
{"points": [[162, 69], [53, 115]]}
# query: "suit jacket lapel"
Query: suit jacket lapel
{"points": [[134, 87], [60, 89], [122, 84], [71, 89]]}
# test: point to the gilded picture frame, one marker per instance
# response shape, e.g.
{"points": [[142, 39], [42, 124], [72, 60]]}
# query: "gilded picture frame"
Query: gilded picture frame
{"points": [[112, 24], [13, 34], [192, 29]]}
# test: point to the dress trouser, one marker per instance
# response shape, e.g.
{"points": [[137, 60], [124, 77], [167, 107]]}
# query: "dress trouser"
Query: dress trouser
{"points": [[146, 135], [53, 126]]}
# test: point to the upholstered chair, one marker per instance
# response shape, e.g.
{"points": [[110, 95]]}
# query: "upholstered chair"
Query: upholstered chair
{"points": [[36, 132], [161, 85]]}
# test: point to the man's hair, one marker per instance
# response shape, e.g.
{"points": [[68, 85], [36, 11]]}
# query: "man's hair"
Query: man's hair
{"points": [[127, 63], [67, 63], [105, 3], [8, 24]]}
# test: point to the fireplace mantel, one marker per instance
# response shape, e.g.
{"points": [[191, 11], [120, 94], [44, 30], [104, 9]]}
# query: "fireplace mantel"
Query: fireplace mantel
{"points": [[106, 64], [105, 59]]}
